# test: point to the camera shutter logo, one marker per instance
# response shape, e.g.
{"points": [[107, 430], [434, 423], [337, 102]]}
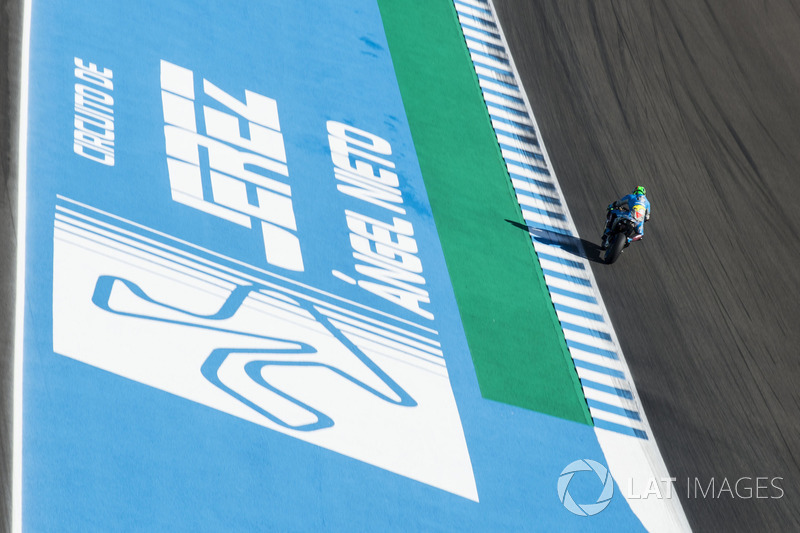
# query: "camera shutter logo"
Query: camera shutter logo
{"points": [[585, 509]]}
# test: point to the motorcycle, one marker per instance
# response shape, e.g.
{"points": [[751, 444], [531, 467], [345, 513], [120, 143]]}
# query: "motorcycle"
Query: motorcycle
{"points": [[622, 233]]}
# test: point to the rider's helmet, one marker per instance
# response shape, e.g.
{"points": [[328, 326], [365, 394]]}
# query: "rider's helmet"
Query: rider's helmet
{"points": [[639, 191]]}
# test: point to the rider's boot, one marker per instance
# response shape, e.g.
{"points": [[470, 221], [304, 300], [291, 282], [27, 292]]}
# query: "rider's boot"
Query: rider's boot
{"points": [[604, 236], [606, 231]]}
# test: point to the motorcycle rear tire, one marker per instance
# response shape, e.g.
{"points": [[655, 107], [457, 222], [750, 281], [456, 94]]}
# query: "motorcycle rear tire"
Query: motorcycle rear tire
{"points": [[618, 242]]}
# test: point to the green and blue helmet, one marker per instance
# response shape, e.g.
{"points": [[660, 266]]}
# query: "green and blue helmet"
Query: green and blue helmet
{"points": [[639, 191]]}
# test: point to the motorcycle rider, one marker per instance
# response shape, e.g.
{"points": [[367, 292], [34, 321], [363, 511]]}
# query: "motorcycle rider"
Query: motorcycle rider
{"points": [[637, 204]]}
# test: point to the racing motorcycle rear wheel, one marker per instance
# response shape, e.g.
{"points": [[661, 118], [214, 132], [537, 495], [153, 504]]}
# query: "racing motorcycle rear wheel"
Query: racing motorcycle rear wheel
{"points": [[618, 242]]}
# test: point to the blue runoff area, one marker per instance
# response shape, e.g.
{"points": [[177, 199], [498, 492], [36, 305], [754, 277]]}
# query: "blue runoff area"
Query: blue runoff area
{"points": [[237, 311]]}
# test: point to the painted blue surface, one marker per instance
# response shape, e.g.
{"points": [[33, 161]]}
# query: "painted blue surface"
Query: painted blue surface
{"points": [[587, 331], [575, 279], [104, 453], [572, 294], [591, 349], [599, 368], [578, 312], [542, 197], [614, 409], [623, 393], [620, 428]]}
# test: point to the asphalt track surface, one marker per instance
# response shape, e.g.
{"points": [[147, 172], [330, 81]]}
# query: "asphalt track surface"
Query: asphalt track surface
{"points": [[700, 102], [10, 38]]}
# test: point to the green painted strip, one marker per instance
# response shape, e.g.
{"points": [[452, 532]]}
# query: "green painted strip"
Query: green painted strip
{"points": [[516, 342]]}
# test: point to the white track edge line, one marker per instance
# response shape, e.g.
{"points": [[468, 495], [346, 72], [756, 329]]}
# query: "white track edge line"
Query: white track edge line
{"points": [[19, 304]]}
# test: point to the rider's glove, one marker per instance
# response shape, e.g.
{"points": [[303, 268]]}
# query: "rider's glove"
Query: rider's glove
{"points": [[610, 207]]}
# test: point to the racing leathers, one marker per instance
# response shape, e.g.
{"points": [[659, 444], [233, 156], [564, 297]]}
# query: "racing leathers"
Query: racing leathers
{"points": [[637, 205]]}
